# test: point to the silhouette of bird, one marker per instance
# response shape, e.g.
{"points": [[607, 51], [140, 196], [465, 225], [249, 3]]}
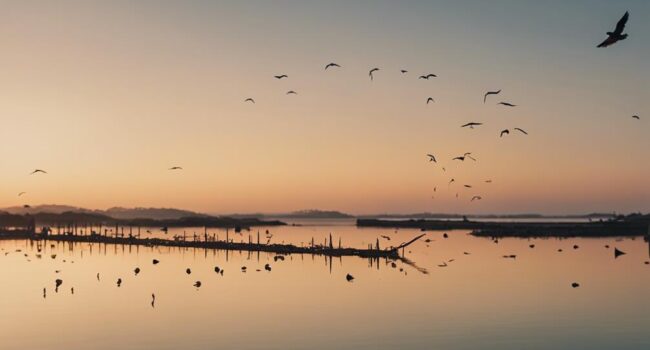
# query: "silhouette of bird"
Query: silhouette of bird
{"points": [[38, 171], [461, 158], [618, 253], [404, 71], [372, 71], [521, 131], [490, 93], [136, 271], [507, 104], [98, 276], [278, 257], [188, 271], [636, 117], [617, 34], [478, 198], [349, 277], [467, 186], [469, 155], [575, 284], [430, 99], [488, 181], [249, 100], [26, 206], [471, 125], [175, 168], [427, 76], [531, 246], [119, 282], [445, 235], [444, 264], [280, 76], [243, 268], [575, 246], [291, 92], [504, 132], [432, 158], [450, 181], [153, 300], [385, 237], [267, 267], [57, 283], [217, 269], [329, 65], [155, 261], [21, 193], [197, 284]]}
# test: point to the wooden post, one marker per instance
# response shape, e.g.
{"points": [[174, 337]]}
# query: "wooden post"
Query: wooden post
{"points": [[331, 244]]}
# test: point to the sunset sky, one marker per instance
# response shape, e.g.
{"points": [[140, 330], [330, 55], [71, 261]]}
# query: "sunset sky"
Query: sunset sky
{"points": [[107, 95]]}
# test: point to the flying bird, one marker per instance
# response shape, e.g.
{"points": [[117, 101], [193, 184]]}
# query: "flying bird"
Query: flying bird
{"points": [[521, 131], [468, 155], [636, 117], [404, 71], [504, 132], [450, 181], [617, 34], [478, 198], [432, 158], [430, 99], [280, 76], [508, 104], [175, 168], [291, 92], [461, 158], [372, 71], [21, 193], [249, 100], [427, 76], [471, 125], [332, 65], [468, 186], [490, 93], [38, 171], [349, 277]]}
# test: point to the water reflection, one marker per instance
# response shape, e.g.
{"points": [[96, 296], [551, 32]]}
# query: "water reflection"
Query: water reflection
{"points": [[480, 300]]}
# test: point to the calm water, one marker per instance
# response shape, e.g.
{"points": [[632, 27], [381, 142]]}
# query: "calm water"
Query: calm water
{"points": [[479, 301]]}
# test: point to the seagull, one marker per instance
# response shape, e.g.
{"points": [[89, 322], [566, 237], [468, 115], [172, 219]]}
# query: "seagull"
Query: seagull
{"points": [[461, 158], [38, 171], [444, 264], [506, 104], [175, 168], [332, 65], [430, 99], [488, 181], [426, 77], [450, 181], [249, 100], [349, 277], [267, 267], [136, 271], [290, 92], [468, 186], [280, 76], [468, 155], [490, 93], [575, 284], [197, 284], [119, 282], [385, 237], [188, 271], [155, 261], [636, 117], [372, 71], [153, 300], [432, 158], [471, 125], [478, 198], [522, 131], [617, 34], [21, 193], [505, 131], [403, 71]]}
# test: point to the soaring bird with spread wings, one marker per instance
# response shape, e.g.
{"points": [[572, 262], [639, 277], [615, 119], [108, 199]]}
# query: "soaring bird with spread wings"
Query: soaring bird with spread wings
{"points": [[490, 93], [617, 34]]}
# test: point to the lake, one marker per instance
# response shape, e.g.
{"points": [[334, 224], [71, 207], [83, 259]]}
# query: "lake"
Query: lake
{"points": [[479, 300]]}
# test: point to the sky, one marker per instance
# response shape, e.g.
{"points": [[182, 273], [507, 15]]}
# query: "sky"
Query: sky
{"points": [[107, 95]]}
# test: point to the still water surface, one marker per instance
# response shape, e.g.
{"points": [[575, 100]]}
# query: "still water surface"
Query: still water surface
{"points": [[479, 301]]}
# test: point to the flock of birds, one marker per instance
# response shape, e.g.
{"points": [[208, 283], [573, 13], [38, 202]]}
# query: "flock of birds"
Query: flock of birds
{"points": [[612, 38]]}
